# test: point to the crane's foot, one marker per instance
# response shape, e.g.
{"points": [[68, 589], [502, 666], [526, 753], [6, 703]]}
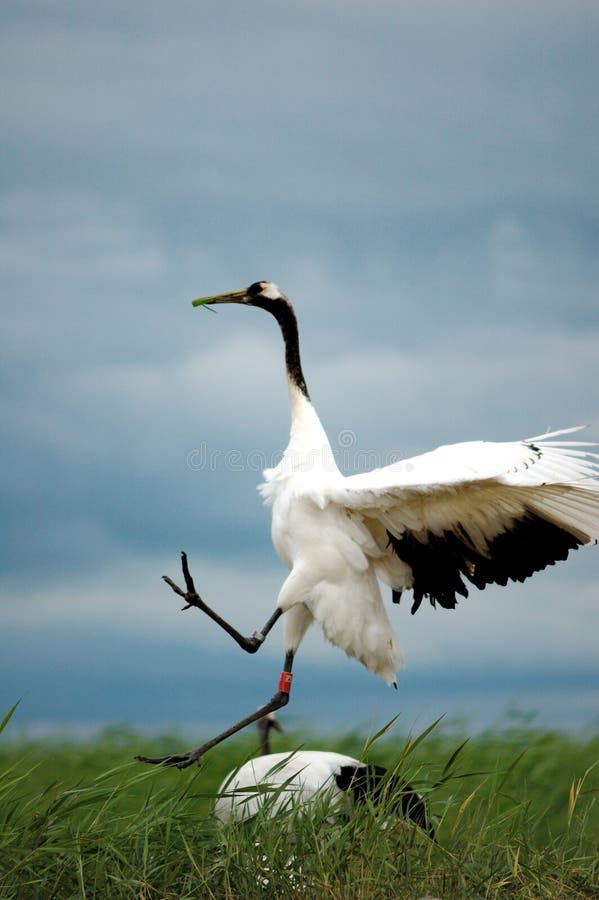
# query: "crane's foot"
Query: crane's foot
{"points": [[183, 760], [250, 644], [177, 760], [191, 596]]}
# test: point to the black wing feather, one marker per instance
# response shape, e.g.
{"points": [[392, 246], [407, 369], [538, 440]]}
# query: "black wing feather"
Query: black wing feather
{"points": [[440, 563]]}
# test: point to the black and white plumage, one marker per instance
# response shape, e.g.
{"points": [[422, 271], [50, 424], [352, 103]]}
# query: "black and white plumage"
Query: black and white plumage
{"points": [[477, 512], [293, 782]]}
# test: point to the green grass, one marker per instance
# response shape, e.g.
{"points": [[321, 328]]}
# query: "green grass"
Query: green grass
{"points": [[515, 811]]}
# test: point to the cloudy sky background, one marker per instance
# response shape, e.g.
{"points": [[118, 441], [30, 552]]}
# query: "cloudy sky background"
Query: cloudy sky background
{"points": [[423, 181]]}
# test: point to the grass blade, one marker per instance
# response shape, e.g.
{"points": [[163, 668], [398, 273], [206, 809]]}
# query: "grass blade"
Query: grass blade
{"points": [[8, 716]]}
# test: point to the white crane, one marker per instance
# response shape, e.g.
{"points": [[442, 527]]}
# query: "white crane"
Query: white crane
{"points": [[279, 783], [474, 512]]}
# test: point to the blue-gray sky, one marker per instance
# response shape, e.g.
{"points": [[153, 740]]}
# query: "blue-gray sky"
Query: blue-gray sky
{"points": [[421, 179]]}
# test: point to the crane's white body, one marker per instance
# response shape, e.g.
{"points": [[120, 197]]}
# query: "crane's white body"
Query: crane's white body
{"points": [[283, 782], [332, 531], [327, 551]]}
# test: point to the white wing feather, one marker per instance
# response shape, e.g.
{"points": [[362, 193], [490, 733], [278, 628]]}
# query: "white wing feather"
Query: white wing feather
{"points": [[483, 487]]}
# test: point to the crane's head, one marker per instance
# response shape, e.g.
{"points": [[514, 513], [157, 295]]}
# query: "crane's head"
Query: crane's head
{"points": [[264, 294]]}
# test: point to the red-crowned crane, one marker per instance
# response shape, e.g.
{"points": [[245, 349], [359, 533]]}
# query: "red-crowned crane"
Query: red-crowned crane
{"points": [[475, 512], [293, 782]]}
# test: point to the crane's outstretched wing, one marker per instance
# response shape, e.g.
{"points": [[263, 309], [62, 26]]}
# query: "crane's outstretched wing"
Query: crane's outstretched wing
{"points": [[486, 512]]}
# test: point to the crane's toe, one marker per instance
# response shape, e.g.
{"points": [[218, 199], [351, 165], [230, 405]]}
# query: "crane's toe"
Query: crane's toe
{"points": [[177, 760]]}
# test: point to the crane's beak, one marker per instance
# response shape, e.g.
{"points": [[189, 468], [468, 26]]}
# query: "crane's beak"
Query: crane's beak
{"points": [[233, 297]]}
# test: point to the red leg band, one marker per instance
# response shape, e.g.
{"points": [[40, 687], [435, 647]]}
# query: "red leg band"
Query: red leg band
{"points": [[285, 682]]}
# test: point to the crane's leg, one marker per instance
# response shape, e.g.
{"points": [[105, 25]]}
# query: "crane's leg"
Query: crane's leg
{"points": [[281, 698], [192, 598]]}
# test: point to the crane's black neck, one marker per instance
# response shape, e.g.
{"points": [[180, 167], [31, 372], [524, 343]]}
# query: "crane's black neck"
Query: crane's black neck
{"points": [[284, 313]]}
